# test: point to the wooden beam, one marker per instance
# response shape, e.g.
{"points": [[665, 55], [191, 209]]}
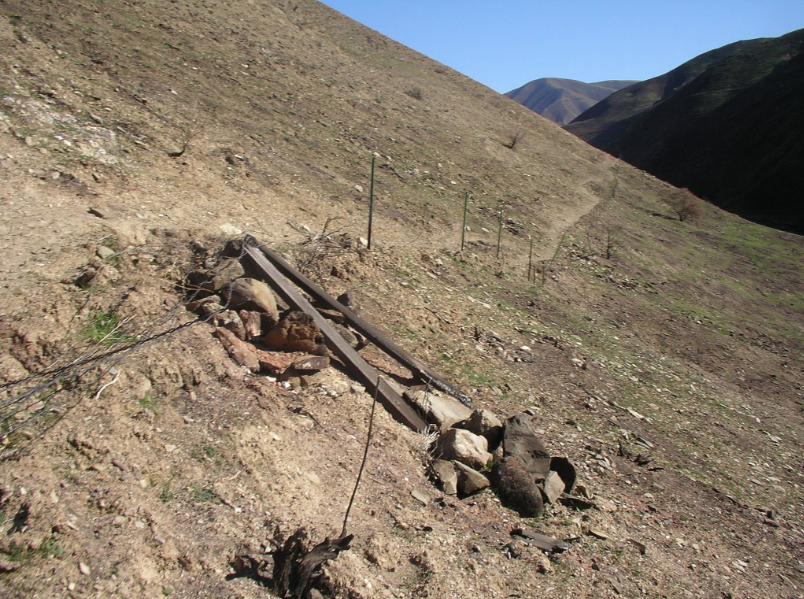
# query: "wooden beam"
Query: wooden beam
{"points": [[390, 399], [370, 332]]}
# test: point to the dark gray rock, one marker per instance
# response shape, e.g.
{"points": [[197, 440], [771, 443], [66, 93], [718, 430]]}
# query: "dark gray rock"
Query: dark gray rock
{"points": [[553, 487], [519, 440]]}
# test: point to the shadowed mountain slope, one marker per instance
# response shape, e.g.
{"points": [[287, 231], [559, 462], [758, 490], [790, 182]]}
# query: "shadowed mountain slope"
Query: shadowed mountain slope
{"points": [[733, 134], [561, 100], [604, 122]]}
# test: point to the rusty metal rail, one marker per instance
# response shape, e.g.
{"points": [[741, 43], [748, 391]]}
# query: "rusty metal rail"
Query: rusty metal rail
{"points": [[366, 374], [404, 357]]}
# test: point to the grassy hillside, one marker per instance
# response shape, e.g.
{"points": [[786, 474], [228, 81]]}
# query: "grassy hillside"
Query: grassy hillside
{"points": [[664, 358], [561, 100]]}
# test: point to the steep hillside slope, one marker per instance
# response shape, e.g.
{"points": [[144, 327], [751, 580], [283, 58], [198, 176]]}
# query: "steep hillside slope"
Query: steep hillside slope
{"points": [[602, 124], [137, 459], [561, 100]]}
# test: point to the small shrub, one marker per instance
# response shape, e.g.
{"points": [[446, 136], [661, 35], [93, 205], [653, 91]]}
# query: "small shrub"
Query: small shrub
{"points": [[686, 205], [415, 93], [514, 139], [202, 495]]}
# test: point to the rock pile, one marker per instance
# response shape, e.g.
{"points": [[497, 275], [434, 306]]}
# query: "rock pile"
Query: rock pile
{"points": [[475, 450], [252, 329]]}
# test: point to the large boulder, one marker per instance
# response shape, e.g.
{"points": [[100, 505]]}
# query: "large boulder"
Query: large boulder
{"points": [[296, 332], [519, 440], [438, 409], [464, 447], [251, 294], [516, 488], [485, 424]]}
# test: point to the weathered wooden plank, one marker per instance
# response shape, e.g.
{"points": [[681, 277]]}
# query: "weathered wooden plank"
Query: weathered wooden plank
{"points": [[371, 333], [390, 399]]}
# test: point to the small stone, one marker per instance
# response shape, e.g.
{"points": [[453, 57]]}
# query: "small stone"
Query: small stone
{"points": [[274, 362], [84, 569], [643, 549], [104, 253], [598, 534], [311, 364], [8, 566], [240, 351], [543, 565], [359, 188], [139, 524], [420, 497], [313, 478], [170, 448], [252, 323], [439, 409], [53, 497], [159, 539], [469, 481], [553, 487], [231, 320], [446, 474], [143, 483]]}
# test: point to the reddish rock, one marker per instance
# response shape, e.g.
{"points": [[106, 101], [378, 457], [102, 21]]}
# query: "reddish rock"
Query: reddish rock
{"points": [[274, 362], [296, 332], [241, 352]]}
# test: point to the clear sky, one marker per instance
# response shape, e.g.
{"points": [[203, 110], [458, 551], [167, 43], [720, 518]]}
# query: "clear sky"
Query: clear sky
{"points": [[506, 43]]}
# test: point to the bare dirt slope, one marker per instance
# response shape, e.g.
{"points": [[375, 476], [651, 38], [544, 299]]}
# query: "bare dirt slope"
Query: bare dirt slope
{"points": [[680, 341]]}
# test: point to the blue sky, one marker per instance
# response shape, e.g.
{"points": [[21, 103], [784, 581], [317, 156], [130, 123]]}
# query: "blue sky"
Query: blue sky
{"points": [[506, 43]]}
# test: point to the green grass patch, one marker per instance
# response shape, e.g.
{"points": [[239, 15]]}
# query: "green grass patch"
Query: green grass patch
{"points": [[202, 494], [102, 329]]}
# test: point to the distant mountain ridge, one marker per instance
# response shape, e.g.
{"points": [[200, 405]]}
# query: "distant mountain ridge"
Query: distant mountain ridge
{"points": [[561, 100], [603, 122], [729, 125]]}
